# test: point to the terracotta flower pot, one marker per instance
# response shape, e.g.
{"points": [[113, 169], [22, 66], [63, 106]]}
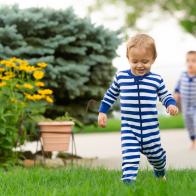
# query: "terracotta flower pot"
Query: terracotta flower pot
{"points": [[55, 136], [28, 163]]}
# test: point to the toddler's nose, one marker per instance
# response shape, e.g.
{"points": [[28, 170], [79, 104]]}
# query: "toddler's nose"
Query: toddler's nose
{"points": [[140, 65]]}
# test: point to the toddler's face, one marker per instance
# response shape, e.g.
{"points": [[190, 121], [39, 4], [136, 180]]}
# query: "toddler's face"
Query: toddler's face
{"points": [[140, 60], [191, 63]]}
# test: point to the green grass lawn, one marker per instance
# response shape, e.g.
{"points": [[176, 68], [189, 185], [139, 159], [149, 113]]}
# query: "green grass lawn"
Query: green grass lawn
{"points": [[113, 125], [78, 181]]}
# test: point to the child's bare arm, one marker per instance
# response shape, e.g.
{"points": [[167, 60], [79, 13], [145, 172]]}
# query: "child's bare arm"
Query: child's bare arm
{"points": [[177, 96]]}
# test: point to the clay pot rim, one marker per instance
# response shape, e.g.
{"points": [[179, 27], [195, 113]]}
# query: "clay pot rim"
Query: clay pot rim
{"points": [[56, 123]]}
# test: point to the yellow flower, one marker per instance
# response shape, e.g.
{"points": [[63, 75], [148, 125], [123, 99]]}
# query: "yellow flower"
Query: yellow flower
{"points": [[7, 63], [39, 84], [31, 69], [35, 97], [29, 86], [2, 84], [17, 86], [45, 92], [2, 69], [49, 99], [42, 65], [16, 60], [28, 96], [22, 67], [26, 68], [10, 74], [38, 75], [23, 62], [5, 78]]}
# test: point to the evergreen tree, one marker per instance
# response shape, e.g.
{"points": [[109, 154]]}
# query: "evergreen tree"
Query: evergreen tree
{"points": [[79, 55]]}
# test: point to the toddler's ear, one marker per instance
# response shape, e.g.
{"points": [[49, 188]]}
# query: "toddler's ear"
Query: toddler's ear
{"points": [[127, 54]]}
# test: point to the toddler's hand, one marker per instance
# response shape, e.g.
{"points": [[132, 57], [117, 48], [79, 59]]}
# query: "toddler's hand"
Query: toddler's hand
{"points": [[172, 110], [102, 119]]}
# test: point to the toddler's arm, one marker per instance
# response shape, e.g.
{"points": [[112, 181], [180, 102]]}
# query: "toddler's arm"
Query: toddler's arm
{"points": [[177, 92], [177, 97], [167, 100], [108, 100]]}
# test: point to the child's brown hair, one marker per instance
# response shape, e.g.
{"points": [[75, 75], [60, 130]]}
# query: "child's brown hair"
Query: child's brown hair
{"points": [[142, 40], [191, 52]]}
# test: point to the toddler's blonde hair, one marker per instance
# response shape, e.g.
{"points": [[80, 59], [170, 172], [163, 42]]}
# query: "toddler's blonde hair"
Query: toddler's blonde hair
{"points": [[144, 41], [191, 52]]}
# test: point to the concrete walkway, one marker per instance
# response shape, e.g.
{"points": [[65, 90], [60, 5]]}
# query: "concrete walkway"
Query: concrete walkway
{"points": [[103, 149], [106, 147]]}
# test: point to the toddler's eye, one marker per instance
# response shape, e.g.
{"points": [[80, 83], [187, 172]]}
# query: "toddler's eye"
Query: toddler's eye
{"points": [[145, 61]]}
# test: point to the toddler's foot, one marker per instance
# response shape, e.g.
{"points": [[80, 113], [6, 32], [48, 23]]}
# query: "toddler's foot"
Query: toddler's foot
{"points": [[193, 145], [163, 178], [160, 175], [129, 182]]}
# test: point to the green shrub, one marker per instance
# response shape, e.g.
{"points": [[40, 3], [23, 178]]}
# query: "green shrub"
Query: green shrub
{"points": [[79, 55], [21, 98]]}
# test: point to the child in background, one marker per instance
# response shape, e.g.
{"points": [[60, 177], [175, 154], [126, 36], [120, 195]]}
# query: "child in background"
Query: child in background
{"points": [[185, 93], [138, 89]]}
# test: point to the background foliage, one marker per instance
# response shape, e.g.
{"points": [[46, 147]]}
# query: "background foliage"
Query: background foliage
{"points": [[79, 55], [183, 11]]}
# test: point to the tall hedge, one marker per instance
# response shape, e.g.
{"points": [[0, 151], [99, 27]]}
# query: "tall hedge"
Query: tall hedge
{"points": [[78, 52]]}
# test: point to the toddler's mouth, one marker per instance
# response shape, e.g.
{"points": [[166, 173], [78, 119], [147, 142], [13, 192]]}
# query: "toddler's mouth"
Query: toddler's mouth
{"points": [[141, 70]]}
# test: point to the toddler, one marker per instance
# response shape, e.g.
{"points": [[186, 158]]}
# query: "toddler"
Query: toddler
{"points": [[138, 89], [185, 93]]}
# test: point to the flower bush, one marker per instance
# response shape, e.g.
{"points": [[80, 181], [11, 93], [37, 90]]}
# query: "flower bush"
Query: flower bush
{"points": [[22, 96]]}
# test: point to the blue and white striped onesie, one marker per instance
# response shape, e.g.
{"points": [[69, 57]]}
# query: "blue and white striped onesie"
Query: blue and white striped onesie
{"points": [[186, 86], [139, 118]]}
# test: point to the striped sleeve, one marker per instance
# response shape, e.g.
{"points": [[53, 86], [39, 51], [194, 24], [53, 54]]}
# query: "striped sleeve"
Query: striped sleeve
{"points": [[110, 96], [164, 96]]}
